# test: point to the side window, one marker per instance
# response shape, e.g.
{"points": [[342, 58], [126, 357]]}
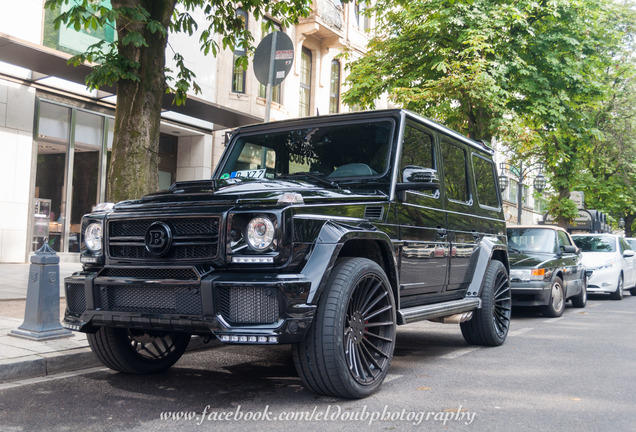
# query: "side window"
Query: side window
{"points": [[564, 240], [417, 150], [485, 180], [455, 173]]}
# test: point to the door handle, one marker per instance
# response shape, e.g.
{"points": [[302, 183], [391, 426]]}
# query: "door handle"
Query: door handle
{"points": [[441, 232]]}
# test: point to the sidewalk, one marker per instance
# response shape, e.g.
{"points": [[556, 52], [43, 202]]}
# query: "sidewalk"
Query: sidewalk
{"points": [[22, 358]]}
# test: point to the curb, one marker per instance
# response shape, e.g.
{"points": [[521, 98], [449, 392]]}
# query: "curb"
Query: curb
{"points": [[41, 365]]}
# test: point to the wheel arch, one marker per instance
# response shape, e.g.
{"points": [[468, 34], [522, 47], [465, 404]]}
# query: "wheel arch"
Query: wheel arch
{"points": [[337, 241], [490, 248]]}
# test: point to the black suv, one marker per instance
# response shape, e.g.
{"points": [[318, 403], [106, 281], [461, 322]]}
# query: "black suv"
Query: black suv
{"points": [[324, 233]]}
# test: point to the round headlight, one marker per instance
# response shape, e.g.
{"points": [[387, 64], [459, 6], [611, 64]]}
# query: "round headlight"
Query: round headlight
{"points": [[260, 233], [93, 237]]}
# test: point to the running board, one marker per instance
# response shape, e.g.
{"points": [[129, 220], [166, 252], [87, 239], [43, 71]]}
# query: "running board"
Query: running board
{"points": [[437, 310]]}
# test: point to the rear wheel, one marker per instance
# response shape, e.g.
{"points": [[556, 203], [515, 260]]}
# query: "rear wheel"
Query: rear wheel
{"points": [[348, 348], [556, 305], [618, 294], [136, 351], [489, 325]]}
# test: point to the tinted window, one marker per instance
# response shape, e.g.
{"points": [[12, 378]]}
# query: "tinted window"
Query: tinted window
{"points": [[485, 179], [455, 173], [564, 240], [417, 150], [596, 243]]}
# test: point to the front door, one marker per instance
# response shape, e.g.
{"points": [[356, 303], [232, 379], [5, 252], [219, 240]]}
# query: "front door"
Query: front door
{"points": [[421, 219]]}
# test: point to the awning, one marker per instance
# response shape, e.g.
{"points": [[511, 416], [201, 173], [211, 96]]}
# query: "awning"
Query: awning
{"points": [[46, 62]]}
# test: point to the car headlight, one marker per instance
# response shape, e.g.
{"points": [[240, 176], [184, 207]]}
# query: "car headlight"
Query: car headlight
{"points": [[607, 265], [527, 275], [260, 233], [93, 237]]}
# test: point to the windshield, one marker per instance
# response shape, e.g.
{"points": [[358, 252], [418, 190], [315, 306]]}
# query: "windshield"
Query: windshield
{"points": [[531, 240], [595, 243], [334, 152]]}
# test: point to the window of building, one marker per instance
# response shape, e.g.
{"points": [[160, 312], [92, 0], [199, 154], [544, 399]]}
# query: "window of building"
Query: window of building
{"points": [[73, 41], [334, 87], [70, 174], [267, 26], [305, 82], [362, 19], [238, 71]]}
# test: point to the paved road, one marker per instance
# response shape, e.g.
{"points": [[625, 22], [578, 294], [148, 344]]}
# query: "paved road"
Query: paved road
{"points": [[572, 373]]}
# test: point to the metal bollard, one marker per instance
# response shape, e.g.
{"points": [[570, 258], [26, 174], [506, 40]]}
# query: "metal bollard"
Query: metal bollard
{"points": [[42, 311]]}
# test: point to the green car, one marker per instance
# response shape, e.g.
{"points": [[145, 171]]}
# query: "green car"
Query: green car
{"points": [[546, 269]]}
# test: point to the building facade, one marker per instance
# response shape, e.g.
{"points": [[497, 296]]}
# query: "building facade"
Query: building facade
{"points": [[56, 135]]}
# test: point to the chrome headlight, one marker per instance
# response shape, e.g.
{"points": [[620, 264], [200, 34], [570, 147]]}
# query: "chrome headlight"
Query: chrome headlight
{"points": [[260, 233], [607, 265], [93, 237]]}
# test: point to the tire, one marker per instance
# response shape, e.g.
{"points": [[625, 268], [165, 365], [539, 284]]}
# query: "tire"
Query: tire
{"points": [[580, 300], [489, 325], [620, 288], [137, 352], [348, 348], [556, 304]]}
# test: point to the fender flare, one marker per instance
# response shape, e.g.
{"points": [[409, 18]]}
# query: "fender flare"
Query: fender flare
{"points": [[326, 250]]}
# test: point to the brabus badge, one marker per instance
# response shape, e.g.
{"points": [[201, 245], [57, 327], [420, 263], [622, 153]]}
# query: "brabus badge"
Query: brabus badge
{"points": [[158, 239]]}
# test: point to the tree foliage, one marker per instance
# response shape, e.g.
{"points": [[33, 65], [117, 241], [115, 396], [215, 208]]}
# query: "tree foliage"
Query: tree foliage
{"points": [[135, 64], [532, 74]]}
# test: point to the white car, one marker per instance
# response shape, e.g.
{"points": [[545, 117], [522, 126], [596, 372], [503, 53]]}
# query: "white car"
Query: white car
{"points": [[609, 261]]}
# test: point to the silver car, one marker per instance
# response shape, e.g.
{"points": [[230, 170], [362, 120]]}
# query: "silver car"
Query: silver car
{"points": [[609, 261]]}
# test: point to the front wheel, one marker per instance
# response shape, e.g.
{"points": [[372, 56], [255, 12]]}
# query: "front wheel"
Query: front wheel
{"points": [[556, 304], [349, 346], [581, 299], [618, 294], [136, 351], [489, 325]]}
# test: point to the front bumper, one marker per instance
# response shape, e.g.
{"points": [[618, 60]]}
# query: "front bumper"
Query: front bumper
{"points": [[259, 308], [530, 293], [603, 280]]}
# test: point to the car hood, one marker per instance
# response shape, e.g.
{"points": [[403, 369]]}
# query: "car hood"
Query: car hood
{"points": [[522, 260], [243, 191], [594, 259]]}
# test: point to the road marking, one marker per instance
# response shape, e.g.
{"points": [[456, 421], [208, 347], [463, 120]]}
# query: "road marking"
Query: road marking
{"points": [[392, 377], [459, 353], [520, 331], [30, 381], [552, 320]]}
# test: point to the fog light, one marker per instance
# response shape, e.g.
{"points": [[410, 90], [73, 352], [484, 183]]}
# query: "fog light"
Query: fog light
{"points": [[273, 339], [252, 338], [234, 339], [225, 338], [262, 339]]}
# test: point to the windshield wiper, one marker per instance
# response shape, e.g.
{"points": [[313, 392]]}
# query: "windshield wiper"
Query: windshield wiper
{"points": [[515, 250], [318, 176]]}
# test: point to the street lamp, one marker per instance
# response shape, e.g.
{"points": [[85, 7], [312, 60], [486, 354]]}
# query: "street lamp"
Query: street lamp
{"points": [[520, 174]]}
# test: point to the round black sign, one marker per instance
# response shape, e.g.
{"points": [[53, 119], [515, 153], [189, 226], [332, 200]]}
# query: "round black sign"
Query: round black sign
{"points": [[158, 239], [283, 58]]}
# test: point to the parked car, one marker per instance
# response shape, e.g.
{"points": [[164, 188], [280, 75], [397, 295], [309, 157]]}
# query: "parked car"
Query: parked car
{"points": [[323, 233], [610, 264], [546, 269]]}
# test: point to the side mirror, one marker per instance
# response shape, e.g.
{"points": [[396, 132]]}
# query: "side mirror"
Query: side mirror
{"points": [[417, 177], [628, 253], [569, 249]]}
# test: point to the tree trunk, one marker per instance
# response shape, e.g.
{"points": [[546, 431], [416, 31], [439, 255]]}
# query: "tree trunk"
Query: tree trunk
{"points": [[562, 221], [629, 220], [135, 155]]}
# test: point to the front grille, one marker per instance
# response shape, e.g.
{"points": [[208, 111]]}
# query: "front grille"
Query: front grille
{"points": [[75, 298], [248, 305], [150, 273], [184, 300], [193, 238]]}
